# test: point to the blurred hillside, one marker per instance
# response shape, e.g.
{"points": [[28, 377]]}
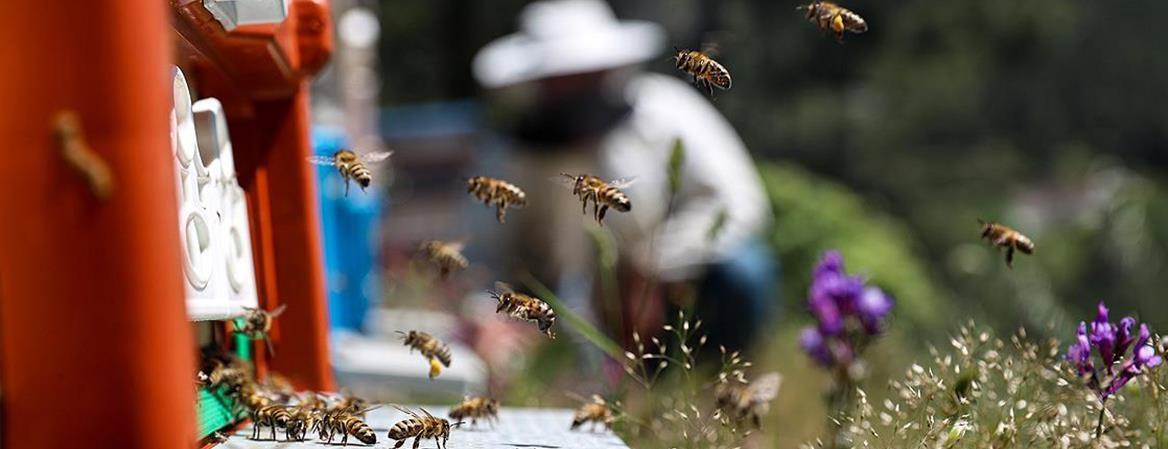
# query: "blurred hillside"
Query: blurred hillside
{"points": [[1047, 115]]}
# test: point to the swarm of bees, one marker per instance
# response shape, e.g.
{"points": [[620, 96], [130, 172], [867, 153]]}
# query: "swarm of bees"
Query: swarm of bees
{"points": [[445, 256], [596, 412], [434, 350], [475, 408], [706, 73], [295, 414], [1003, 236], [524, 307], [352, 167], [498, 192], [419, 427], [602, 194], [834, 18], [747, 402]]}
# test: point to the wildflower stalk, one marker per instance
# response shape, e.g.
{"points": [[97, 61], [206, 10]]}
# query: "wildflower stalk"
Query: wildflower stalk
{"points": [[673, 171], [1099, 424]]}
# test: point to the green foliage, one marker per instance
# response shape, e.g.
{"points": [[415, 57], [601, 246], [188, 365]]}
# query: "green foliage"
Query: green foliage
{"points": [[813, 215]]}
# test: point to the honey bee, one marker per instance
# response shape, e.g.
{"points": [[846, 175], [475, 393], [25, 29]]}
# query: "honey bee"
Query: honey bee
{"points": [[706, 72], [305, 417], [432, 348], [747, 401], [475, 408], [596, 412], [830, 16], [342, 423], [418, 427], [523, 307], [258, 322], [352, 166], [446, 256], [603, 194], [252, 397], [274, 416], [1003, 236], [497, 191], [350, 403]]}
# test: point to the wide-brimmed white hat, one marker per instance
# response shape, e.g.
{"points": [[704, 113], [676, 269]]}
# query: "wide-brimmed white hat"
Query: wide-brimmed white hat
{"points": [[564, 37]]}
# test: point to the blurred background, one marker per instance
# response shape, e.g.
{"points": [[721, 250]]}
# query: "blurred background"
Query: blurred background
{"points": [[1044, 115]]}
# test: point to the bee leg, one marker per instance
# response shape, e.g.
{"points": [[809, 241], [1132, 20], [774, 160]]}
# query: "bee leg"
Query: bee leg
{"points": [[595, 211], [1010, 257], [399, 443], [346, 188], [602, 211], [500, 212], [417, 441]]}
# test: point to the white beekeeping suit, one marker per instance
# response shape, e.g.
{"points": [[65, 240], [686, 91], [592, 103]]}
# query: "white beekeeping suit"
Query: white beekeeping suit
{"points": [[717, 175]]}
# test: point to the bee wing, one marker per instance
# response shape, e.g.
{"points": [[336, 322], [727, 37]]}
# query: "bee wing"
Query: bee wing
{"points": [[576, 397], [766, 387], [427, 412], [375, 157], [597, 399], [623, 183], [321, 160], [407, 411], [504, 287], [277, 311], [711, 49], [368, 409]]}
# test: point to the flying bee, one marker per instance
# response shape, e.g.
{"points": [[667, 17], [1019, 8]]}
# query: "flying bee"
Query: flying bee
{"points": [[596, 412], [832, 17], [258, 322], [352, 166], [252, 397], [1003, 236], [274, 416], [343, 423], [446, 256], [747, 401], [603, 194], [279, 387], [432, 348], [705, 71], [523, 307], [418, 427], [475, 408], [498, 192]]}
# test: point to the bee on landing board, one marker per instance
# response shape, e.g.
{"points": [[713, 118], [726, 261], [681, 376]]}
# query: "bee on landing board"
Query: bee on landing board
{"points": [[498, 192], [1003, 236], [524, 307], [419, 427], [475, 408], [274, 416], [837, 19], [742, 402], [705, 71], [596, 412], [602, 194], [435, 351], [353, 167], [446, 256], [340, 422], [258, 322]]}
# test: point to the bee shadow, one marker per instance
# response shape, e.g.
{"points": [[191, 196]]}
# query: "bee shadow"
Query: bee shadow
{"points": [[538, 446]]}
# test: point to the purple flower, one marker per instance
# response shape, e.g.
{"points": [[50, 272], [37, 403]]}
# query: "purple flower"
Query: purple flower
{"points": [[811, 341], [1079, 354], [872, 307], [1111, 342], [846, 312], [831, 263]]}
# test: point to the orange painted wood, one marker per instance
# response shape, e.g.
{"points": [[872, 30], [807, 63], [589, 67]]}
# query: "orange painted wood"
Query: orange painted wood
{"points": [[94, 337], [260, 73]]}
